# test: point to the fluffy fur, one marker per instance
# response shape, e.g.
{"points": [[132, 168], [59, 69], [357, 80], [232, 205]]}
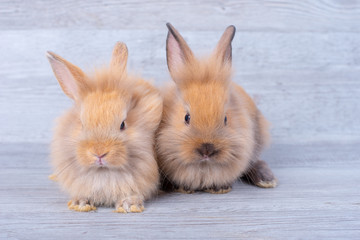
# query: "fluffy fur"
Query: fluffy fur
{"points": [[94, 160], [204, 90]]}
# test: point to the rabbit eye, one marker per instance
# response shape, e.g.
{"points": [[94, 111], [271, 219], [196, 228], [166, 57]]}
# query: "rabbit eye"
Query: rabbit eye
{"points": [[187, 118], [225, 120], [122, 126]]}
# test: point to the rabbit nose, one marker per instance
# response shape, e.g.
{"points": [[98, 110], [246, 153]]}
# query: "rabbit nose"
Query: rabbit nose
{"points": [[206, 150], [101, 155]]}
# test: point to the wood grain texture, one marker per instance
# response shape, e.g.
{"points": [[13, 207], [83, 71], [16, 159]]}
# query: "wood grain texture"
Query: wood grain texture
{"points": [[324, 15], [306, 84], [309, 203]]}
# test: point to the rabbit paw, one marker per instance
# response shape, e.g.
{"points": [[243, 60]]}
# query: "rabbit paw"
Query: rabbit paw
{"points": [[52, 177], [184, 190], [127, 206], [267, 184], [81, 206], [260, 175], [218, 190]]}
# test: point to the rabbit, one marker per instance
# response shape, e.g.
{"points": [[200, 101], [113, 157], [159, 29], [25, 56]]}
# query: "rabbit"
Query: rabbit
{"points": [[211, 132], [103, 147]]}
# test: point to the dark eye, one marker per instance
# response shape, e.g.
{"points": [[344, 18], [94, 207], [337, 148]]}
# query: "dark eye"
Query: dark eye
{"points": [[225, 120], [122, 126], [187, 118]]}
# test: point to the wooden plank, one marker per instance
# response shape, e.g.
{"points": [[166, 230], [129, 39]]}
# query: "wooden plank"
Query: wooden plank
{"points": [[305, 83], [22, 54], [310, 202], [294, 16]]}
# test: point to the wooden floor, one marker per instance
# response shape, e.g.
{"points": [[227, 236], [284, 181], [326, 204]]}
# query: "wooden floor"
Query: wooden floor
{"points": [[300, 60], [317, 201]]}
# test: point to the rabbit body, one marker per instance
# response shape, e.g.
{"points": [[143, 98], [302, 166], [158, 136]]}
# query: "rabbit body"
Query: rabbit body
{"points": [[103, 147], [211, 131]]}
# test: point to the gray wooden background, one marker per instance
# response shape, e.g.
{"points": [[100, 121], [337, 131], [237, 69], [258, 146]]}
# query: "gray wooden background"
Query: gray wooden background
{"points": [[300, 60]]}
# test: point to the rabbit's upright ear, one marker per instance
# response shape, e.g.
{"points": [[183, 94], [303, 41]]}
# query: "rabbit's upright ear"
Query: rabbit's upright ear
{"points": [[178, 53], [119, 57], [70, 77], [223, 50]]}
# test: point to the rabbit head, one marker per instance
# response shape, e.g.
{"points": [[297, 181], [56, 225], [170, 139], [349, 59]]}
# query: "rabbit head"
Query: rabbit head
{"points": [[103, 103]]}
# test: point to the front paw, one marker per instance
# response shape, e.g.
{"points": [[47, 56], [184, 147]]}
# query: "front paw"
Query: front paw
{"points": [[126, 206], [218, 190], [184, 190], [81, 206]]}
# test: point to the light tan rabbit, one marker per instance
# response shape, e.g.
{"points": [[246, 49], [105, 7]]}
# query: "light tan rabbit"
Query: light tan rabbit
{"points": [[103, 147], [211, 132]]}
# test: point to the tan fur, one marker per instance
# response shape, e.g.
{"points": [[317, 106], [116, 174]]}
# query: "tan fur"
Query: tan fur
{"points": [[92, 126], [204, 90], [220, 191]]}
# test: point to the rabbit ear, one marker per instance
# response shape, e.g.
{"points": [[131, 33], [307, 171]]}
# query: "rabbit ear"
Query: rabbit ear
{"points": [[178, 52], [119, 57], [69, 76], [223, 49]]}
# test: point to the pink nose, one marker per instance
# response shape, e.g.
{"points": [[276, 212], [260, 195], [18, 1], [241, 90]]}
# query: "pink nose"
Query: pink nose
{"points": [[100, 161], [101, 156]]}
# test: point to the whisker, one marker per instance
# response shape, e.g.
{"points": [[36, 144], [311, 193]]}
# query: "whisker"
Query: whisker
{"points": [[62, 170]]}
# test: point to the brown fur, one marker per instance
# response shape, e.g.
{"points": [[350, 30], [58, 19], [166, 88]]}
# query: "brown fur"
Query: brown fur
{"points": [[92, 127], [203, 88]]}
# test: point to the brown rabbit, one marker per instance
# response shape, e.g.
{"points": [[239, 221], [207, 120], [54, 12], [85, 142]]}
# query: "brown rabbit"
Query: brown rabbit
{"points": [[211, 132], [103, 147]]}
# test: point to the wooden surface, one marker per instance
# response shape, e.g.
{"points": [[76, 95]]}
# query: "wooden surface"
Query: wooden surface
{"points": [[300, 60], [312, 201]]}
